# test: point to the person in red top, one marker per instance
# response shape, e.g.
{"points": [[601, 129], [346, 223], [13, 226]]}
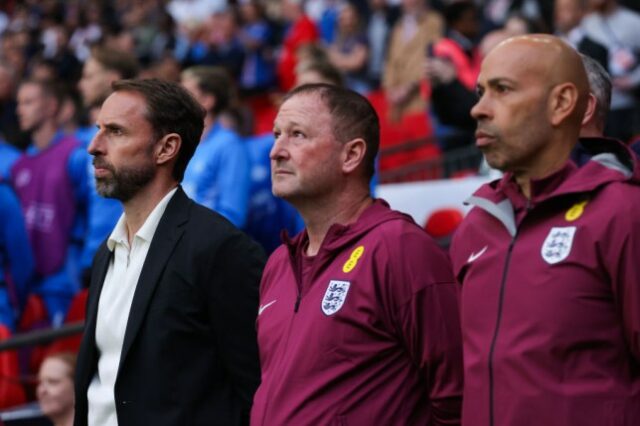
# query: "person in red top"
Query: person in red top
{"points": [[547, 258], [301, 31], [358, 321]]}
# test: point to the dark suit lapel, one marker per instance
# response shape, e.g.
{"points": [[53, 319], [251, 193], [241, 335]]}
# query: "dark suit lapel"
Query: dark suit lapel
{"points": [[167, 235], [98, 273]]}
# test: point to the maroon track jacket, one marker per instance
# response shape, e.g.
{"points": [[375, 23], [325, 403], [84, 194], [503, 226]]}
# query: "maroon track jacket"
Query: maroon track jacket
{"points": [[364, 333], [551, 296]]}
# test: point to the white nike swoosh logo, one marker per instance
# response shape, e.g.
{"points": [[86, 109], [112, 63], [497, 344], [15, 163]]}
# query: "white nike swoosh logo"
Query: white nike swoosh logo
{"points": [[265, 306], [474, 256]]}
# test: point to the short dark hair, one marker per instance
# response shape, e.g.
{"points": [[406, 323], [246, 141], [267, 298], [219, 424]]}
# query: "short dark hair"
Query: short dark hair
{"points": [[170, 109], [125, 64], [352, 116], [214, 81]]}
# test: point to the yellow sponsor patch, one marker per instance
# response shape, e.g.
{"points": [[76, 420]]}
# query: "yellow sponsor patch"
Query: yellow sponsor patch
{"points": [[575, 211], [353, 259]]}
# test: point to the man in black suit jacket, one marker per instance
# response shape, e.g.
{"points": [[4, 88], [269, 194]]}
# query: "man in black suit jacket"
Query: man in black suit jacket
{"points": [[170, 336]]}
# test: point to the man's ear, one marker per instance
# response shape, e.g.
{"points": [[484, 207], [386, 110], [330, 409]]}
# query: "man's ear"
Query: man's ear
{"points": [[563, 102], [167, 148], [592, 104], [353, 155]]}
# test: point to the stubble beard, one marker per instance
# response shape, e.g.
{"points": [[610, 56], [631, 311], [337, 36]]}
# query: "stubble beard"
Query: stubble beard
{"points": [[125, 183]]}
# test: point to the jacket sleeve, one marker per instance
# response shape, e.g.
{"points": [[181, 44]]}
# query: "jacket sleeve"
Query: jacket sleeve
{"points": [[18, 251], [428, 323], [233, 310], [625, 277]]}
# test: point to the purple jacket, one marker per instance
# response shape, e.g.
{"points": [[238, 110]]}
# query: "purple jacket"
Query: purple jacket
{"points": [[364, 333], [551, 296]]}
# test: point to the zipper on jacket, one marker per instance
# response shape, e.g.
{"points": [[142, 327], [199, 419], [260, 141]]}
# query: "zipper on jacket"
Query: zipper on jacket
{"points": [[297, 305], [497, 328]]}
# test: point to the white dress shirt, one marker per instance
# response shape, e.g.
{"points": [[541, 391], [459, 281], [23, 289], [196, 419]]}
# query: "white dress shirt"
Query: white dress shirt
{"points": [[113, 310]]}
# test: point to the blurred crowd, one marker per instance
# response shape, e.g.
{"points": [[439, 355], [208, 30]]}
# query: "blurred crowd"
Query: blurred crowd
{"points": [[413, 57]]}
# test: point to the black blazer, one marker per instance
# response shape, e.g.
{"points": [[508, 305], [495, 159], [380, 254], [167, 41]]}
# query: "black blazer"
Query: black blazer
{"points": [[190, 354]]}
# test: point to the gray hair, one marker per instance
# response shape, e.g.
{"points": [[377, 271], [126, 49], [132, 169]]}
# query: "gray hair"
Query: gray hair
{"points": [[600, 87]]}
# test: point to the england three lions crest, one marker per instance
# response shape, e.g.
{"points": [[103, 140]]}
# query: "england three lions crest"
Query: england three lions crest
{"points": [[557, 245], [335, 296]]}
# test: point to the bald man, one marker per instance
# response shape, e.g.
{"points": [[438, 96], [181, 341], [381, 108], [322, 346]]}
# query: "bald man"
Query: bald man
{"points": [[547, 258]]}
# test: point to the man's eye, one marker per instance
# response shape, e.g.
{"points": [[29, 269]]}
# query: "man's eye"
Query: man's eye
{"points": [[276, 135], [298, 134]]}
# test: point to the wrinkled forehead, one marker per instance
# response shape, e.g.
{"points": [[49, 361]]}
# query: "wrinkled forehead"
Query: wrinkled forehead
{"points": [[307, 104]]}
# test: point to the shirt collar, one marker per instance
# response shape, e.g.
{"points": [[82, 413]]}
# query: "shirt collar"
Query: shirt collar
{"points": [[148, 228]]}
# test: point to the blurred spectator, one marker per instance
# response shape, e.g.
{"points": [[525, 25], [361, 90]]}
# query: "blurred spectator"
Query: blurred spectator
{"points": [[101, 69], [325, 13], [452, 68], [258, 70], [55, 388], [165, 39], [15, 48], [16, 258], [301, 31], [9, 127], [567, 18], [193, 12], [218, 174], [350, 50], [618, 29], [515, 25], [318, 71], [51, 182], [497, 12], [165, 68], [221, 38], [117, 38], [70, 114], [382, 17], [410, 37], [87, 32], [56, 52]]}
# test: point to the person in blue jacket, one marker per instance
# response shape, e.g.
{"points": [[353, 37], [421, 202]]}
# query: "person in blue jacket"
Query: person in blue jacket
{"points": [[218, 175], [16, 258], [50, 180]]}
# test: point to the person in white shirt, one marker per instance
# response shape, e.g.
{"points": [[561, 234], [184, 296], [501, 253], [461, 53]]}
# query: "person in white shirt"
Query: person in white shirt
{"points": [[170, 336]]}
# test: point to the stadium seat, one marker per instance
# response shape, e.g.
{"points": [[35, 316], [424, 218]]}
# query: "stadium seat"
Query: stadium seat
{"points": [[76, 313], [11, 390], [34, 317], [442, 224]]}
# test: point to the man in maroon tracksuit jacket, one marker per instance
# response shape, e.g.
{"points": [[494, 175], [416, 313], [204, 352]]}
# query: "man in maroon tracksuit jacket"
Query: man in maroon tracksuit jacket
{"points": [[548, 257], [358, 321]]}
